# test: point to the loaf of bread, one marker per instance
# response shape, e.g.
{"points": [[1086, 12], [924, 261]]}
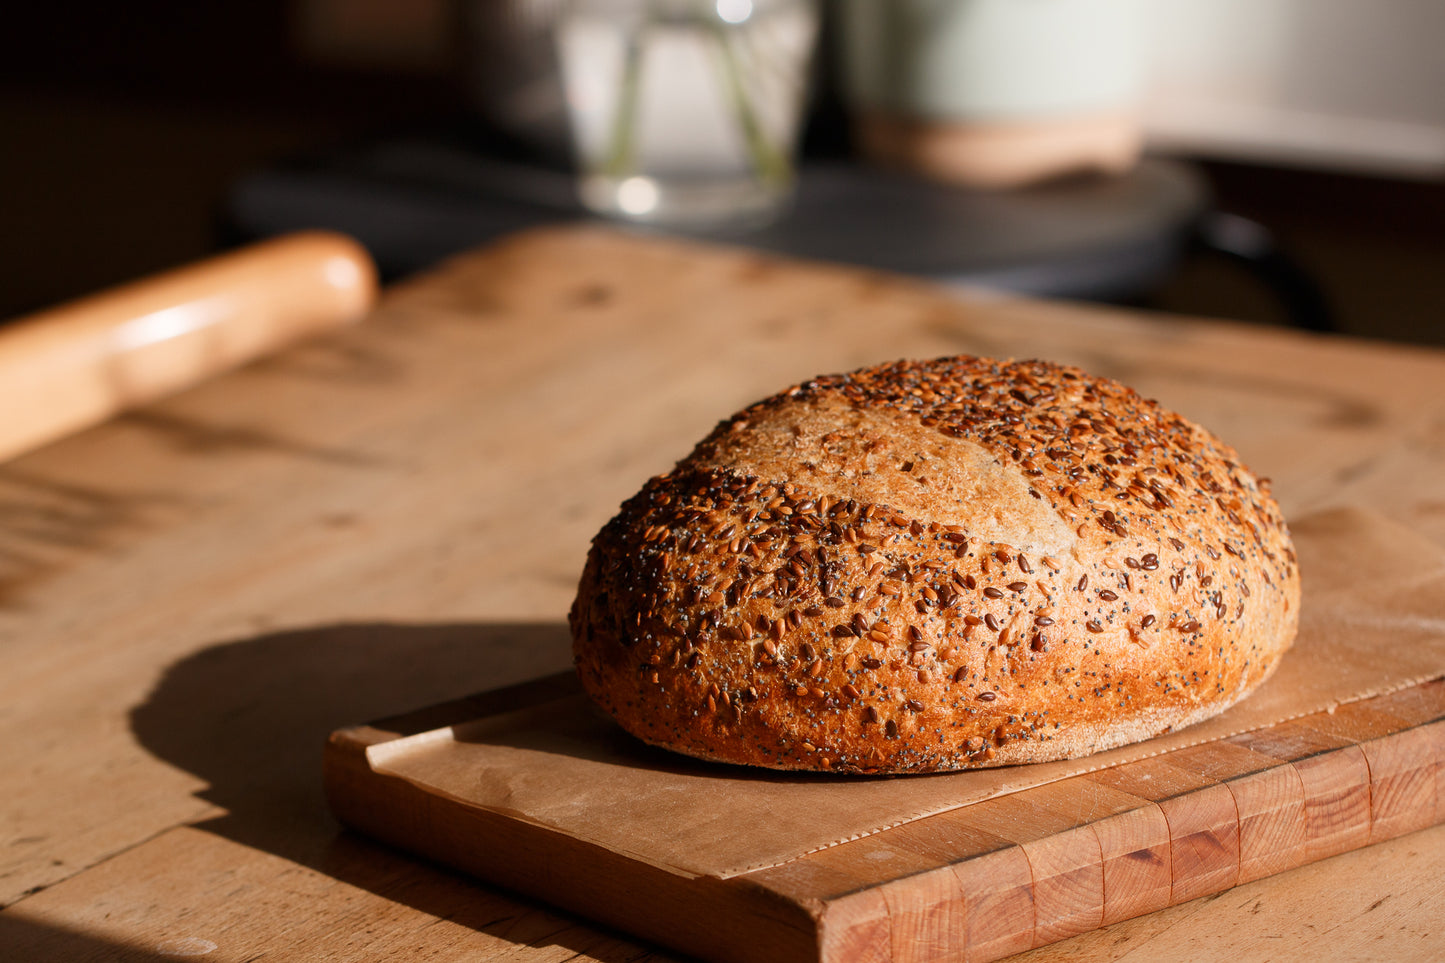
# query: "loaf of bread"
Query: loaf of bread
{"points": [[937, 565]]}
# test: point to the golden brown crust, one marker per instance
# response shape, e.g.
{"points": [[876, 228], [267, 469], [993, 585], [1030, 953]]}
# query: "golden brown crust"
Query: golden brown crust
{"points": [[936, 565]]}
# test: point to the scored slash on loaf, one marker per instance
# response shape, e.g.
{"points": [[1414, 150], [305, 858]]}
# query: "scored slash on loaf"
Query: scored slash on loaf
{"points": [[927, 566]]}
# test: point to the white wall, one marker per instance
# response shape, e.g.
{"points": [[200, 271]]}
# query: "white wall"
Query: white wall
{"points": [[1354, 84]]}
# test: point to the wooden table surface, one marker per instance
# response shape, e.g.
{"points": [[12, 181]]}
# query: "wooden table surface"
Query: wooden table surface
{"points": [[193, 595]]}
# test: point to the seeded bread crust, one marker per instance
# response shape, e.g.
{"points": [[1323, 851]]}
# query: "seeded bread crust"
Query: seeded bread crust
{"points": [[940, 565]]}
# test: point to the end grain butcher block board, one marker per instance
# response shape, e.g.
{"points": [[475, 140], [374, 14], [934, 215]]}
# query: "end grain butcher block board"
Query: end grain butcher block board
{"points": [[975, 883]]}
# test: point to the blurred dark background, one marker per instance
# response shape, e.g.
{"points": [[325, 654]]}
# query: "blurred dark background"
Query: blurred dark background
{"points": [[125, 129]]}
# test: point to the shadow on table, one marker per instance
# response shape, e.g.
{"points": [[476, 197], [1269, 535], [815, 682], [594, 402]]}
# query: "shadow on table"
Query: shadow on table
{"points": [[250, 717], [35, 942]]}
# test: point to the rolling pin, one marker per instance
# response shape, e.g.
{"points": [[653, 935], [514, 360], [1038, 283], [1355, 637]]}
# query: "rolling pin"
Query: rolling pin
{"points": [[78, 364]]}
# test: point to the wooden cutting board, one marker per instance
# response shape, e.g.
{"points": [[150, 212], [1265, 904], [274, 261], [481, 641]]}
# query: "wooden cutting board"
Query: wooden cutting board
{"points": [[976, 883]]}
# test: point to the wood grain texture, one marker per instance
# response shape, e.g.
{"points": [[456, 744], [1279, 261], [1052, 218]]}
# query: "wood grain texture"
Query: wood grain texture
{"points": [[1403, 772], [982, 881], [342, 899], [1133, 842], [735, 923], [1203, 842], [1272, 827], [998, 891], [1065, 870], [1135, 850], [1337, 801], [925, 918], [195, 593], [1380, 902]]}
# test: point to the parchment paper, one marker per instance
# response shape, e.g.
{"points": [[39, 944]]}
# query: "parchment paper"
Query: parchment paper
{"points": [[1373, 620]]}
